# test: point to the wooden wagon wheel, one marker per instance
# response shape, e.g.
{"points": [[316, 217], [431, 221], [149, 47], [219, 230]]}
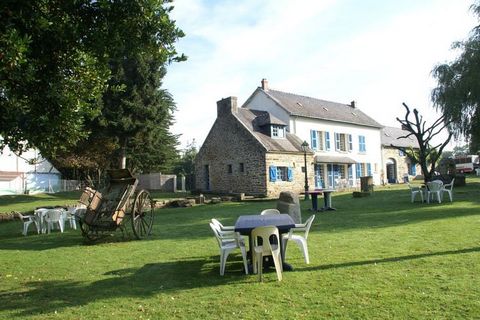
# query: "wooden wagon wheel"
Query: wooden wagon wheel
{"points": [[87, 232], [142, 215]]}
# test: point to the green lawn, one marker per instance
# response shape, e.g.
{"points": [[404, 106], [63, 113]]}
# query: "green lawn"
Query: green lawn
{"points": [[379, 257]]}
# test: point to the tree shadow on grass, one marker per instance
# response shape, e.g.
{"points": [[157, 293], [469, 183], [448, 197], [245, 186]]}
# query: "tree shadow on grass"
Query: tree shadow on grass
{"points": [[389, 260], [45, 297]]}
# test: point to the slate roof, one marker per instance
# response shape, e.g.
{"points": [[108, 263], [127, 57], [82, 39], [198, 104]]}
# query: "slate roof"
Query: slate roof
{"points": [[266, 118], [298, 105], [255, 122], [390, 136]]}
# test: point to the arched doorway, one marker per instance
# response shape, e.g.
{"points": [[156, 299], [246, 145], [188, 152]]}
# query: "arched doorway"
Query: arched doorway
{"points": [[391, 171]]}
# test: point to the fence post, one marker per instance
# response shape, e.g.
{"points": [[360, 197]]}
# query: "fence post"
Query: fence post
{"points": [[182, 178]]}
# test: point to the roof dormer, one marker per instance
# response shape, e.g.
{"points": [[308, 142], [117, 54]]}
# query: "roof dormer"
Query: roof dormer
{"points": [[277, 131]]}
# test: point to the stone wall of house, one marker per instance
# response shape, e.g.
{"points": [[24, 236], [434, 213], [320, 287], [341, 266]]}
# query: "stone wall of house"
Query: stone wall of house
{"points": [[294, 161], [402, 163], [235, 159]]}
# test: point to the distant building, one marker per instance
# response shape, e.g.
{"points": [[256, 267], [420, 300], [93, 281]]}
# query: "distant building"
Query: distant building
{"points": [[18, 176], [396, 166]]}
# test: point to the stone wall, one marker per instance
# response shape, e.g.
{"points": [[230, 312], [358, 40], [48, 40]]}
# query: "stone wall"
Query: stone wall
{"points": [[232, 160], [402, 163], [296, 162], [228, 148], [157, 181]]}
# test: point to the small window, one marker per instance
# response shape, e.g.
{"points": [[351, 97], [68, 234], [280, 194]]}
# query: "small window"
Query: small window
{"points": [[278, 131], [361, 144], [229, 168], [241, 167], [401, 153], [281, 174]]}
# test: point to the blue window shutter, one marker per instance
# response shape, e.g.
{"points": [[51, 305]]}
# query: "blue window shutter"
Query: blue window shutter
{"points": [[327, 140], [350, 171], [273, 173], [361, 146], [289, 174], [330, 175], [337, 141], [313, 138], [369, 169], [414, 169], [358, 166]]}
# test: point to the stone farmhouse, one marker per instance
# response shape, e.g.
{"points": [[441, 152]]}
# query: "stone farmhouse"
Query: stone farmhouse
{"points": [[398, 167], [256, 149]]}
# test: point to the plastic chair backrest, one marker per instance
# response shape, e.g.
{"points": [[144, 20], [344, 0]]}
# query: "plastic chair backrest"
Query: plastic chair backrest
{"points": [[308, 224], [413, 188], [265, 234], [269, 211], [53, 215], [217, 223], [449, 186], [216, 231], [435, 185]]}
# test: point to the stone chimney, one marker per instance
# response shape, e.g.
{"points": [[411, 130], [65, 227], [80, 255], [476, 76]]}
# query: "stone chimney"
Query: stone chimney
{"points": [[264, 84], [352, 104], [226, 106]]}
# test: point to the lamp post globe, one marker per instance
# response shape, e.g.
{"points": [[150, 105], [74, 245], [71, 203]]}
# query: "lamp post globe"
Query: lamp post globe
{"points": [[305, 148]]}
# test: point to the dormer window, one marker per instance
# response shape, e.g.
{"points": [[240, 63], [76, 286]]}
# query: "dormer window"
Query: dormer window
{"points": [[278, 131]]}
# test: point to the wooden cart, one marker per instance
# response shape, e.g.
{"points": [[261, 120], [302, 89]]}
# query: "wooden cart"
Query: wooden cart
{"points": [[117, 206]]}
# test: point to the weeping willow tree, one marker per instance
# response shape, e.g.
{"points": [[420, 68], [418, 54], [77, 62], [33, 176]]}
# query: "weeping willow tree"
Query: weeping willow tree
{"points": [[457, 94]]}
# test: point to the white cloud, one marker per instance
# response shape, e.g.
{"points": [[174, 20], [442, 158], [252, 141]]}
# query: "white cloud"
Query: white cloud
{"points": [[380, 59]]}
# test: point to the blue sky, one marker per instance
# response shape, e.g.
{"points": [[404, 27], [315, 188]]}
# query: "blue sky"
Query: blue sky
{"points": [[378, 53]]}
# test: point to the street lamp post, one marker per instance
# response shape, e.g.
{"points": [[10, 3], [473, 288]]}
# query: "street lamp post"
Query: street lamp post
{"points": [[305, 148]]}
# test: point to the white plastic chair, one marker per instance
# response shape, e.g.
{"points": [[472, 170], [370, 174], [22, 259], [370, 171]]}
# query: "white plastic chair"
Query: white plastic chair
{"points": [[228, 230], [53, 216], [269, 211], [40, 219], [69, 216], [221, 226], [266, 247], [227, 242], [300, 240], [448, 188], [27, 221], [434, 188], [414, 191]]}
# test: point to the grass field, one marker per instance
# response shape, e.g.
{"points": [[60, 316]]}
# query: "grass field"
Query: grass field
{"points": [[378, 257]]}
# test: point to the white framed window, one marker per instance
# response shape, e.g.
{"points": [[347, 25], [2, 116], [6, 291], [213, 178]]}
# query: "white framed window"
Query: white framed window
{"points": [[343, 142], [319, 140], [278, 131]]}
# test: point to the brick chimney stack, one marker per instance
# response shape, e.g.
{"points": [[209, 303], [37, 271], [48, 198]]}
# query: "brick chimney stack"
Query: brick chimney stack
{"points": [[264, 84], [352, 104], [226, 106]]}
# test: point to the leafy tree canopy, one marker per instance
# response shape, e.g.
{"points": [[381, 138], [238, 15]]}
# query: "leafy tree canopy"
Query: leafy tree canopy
{"points": [[457, 94], [56, 61]]}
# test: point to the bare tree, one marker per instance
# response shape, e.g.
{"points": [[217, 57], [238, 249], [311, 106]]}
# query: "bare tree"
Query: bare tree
{"points": [[427, 154]]}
